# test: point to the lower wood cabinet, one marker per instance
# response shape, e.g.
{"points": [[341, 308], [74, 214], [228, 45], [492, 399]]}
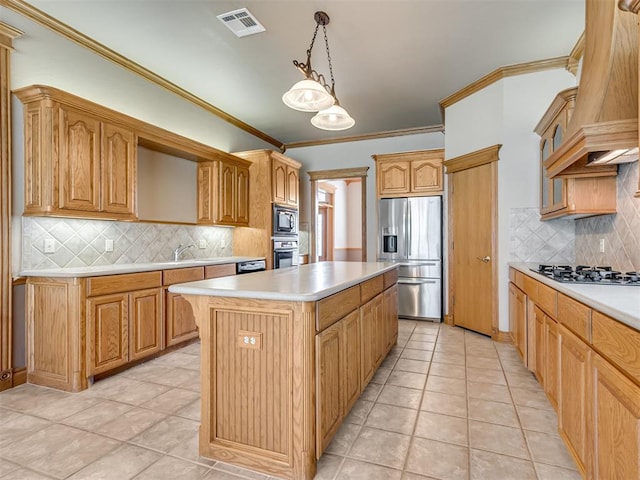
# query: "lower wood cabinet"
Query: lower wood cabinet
{"points": [[616, 423], [109, 331], [552, 359], [574, 402], [124, 327], [518, 320], [347, 355], [540, 356]]}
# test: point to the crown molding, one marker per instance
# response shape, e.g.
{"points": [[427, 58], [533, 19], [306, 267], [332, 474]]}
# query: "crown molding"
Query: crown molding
{"points": [[576, 54], [501, 73], [7, 35], [367, 136], [473, 159], [338, 174], [25, 9]]}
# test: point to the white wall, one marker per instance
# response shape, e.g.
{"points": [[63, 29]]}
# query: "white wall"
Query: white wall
{"points": [[357, 154], [506, 113], [166, 187]]}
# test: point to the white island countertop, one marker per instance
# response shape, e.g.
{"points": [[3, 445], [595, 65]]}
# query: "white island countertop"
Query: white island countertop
{"points": [[620, 302], [93, 271], [306, 283]]}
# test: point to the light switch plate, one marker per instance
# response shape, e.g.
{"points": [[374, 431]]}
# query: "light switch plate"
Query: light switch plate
{"points": [[108, 245], [602, 245], [202, 243], [49, 245]]}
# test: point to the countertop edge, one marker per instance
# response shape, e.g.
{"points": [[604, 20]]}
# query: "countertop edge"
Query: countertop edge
{"points": [[623, 317], [190, 289], [118, 269]]}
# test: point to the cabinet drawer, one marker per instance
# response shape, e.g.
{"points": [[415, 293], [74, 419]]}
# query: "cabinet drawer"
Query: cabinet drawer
{"points": [[127, 282], [331, 309], [371, 288], [619, 343], [215, 271], [547, 300], [181, 275], [390, 278], [575, 316], [531, 287], [520, 280], [512, 275]]}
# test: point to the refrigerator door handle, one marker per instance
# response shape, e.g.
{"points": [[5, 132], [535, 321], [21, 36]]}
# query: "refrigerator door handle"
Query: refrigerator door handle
{"points": [[408, 229], [416, 281]]}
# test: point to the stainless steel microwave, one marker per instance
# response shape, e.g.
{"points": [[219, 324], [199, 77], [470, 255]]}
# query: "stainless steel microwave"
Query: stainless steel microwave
{"points": [[285, 221]]}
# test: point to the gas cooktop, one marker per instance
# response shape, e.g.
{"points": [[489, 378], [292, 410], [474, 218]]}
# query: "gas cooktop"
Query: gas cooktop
{"points": [[583, 274]]}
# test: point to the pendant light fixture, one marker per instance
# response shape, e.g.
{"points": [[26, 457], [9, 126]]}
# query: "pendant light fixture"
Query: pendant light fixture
{"points": [[313, 94]]}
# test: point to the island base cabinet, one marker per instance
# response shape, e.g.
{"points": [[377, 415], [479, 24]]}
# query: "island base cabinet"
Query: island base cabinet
{"points": [[575, 399], [181, 323], [616, 423], [338, 376]]}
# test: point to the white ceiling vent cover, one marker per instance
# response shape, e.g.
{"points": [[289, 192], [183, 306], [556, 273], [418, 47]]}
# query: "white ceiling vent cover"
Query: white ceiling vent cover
{"points": [[241, 22]]}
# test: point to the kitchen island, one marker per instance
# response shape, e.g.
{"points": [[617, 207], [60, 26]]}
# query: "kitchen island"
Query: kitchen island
{"points": [[285, 355]]}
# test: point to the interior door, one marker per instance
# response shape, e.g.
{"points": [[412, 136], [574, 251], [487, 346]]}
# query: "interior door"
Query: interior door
{"points": [[473, 196]]}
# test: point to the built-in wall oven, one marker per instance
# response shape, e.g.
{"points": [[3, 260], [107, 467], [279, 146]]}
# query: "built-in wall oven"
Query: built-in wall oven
{"points": [[285, 221], [285, 252]]}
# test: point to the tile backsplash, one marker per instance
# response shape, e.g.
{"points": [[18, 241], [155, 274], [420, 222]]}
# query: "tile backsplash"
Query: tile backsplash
{"points": [[531, 240], [80, 243], [620, 232]]}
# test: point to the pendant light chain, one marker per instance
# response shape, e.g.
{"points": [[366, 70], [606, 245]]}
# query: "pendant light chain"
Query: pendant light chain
{"points": [[326, 43]]}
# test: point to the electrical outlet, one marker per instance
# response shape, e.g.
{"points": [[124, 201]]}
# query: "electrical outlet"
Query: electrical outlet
{"points": [[202, 243], [602, 245], [49, 245], [108, 245]]}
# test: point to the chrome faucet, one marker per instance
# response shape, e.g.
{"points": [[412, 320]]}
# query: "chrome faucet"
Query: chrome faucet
{"points": [[179, 249]]}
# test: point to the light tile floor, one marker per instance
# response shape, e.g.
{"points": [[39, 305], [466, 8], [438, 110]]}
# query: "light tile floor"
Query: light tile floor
{"points": [[445, 404]]}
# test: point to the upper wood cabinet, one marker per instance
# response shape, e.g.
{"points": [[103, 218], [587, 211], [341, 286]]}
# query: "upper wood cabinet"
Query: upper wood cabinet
{"points": [[76, 163], [582, 194], [409, 173], [223, 192]]}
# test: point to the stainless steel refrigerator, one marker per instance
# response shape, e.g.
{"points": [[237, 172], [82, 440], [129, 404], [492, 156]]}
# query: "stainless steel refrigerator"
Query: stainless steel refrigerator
{"points": [[411, 235]]}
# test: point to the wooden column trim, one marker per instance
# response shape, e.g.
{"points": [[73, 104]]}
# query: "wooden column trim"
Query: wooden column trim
{"points": [[7, 35]]}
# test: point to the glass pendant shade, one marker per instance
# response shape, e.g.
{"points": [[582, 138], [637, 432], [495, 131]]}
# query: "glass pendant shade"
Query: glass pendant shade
{"points": [[333, 118], [307, 96]]}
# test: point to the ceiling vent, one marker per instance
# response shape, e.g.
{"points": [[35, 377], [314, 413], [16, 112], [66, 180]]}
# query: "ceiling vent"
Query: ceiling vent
{"points": [[241, 22]]}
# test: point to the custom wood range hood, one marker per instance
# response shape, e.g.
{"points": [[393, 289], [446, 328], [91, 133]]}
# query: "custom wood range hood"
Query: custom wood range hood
{"points": [[605, 117]]}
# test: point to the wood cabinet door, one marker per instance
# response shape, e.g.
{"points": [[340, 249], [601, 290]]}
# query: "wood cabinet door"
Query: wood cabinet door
{"points": [[552, 353], [380, 330], [242, 196], [351, 356], [205, 192], [426, 176], [616, 423], [517, 319], [79, 161], [118, 170], [394, 178], [180, 320], [279, 181], [329, 395], [146, 323], [109, 331], [292, 186], [539, 344], [368, 350], [227, 193], [390, 301], [574, 401]]}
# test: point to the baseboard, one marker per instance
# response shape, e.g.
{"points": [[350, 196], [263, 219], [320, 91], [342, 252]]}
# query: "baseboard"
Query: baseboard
{"points": [[12, 378], [502, 337], [448, 319]]}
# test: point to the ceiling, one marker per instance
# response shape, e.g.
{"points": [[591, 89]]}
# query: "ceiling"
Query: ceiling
{"points": [[393, 61]]}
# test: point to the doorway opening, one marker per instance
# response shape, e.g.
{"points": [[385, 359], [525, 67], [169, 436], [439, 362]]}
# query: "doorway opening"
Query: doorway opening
{"points": [[338, 215]]}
